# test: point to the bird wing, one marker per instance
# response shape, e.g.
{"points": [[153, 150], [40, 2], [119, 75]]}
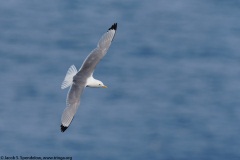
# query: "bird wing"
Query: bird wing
{"points": [[99, 52], [73, 101]]}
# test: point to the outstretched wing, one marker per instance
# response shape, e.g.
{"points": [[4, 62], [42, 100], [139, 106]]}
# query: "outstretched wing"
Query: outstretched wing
{"points": [[98, 53], [73, 101]]}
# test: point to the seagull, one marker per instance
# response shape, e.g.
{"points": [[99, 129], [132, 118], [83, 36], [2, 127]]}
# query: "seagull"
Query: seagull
{"points": [[78, 80]]}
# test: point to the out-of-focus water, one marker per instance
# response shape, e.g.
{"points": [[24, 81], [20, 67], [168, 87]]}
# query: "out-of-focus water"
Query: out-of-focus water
{"points": [[173, 73]]}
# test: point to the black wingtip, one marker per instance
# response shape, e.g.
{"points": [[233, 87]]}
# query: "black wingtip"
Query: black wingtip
{"points": [[113, 27], [63, 128]]}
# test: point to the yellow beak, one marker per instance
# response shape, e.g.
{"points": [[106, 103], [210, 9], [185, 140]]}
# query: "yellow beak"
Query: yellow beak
{"points": [[104, 87]]}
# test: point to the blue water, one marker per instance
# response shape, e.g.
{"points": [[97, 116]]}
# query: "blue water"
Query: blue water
{"points": [[173, 77]]}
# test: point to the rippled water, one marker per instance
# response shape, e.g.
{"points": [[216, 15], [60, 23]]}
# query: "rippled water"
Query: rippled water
{"points": [[173, 74]]}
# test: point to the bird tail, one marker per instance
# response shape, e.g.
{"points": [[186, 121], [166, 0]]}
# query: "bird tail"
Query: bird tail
{"points": [[68, 80]]}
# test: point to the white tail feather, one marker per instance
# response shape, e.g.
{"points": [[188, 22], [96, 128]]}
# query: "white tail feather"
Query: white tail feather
{"points": [[72, 71]]}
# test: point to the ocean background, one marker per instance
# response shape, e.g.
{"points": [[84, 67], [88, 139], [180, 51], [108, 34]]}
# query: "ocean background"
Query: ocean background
{"points": [[172, 71]]}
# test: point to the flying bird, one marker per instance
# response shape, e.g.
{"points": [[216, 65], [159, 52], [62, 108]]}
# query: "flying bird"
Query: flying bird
{"points": [[78, 80]]}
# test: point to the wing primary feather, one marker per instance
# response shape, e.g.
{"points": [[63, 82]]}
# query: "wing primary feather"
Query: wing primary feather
{"points": [[63, 128], [113, 27]]}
